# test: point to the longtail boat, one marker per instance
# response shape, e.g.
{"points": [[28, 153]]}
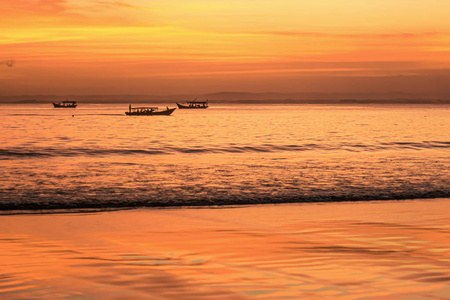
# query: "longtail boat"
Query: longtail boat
{"points": [[193, 104], [65, 104], [148, 111]]}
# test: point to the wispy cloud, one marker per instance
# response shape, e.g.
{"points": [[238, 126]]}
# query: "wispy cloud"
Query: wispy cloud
{"points": [[400, 35], [117, 4], [35, 6]]}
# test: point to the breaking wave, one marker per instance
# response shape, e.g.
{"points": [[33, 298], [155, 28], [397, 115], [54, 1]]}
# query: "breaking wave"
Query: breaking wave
{"points": [[67, 152], [42, 204]]}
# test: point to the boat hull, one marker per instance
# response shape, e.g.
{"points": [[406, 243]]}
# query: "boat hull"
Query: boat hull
{"points": [[153, 113]]}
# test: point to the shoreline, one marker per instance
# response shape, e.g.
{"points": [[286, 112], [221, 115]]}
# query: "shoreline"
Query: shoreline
{"points": [[344, 102], [200, 205]]}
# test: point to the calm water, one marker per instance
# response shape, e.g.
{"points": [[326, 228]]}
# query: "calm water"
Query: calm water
{"points": [[96, 157], [352, 250]]}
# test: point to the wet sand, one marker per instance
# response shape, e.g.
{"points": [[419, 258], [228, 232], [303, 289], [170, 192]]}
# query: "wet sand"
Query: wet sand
{"points": [[361, 250]]}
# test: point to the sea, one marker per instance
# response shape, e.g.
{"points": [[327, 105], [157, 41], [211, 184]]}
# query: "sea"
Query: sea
{"points": [[94, 157], [344, 201]]}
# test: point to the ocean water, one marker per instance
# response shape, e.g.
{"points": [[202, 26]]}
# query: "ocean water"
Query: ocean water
{"points": [[89, 161], [95, 157]]}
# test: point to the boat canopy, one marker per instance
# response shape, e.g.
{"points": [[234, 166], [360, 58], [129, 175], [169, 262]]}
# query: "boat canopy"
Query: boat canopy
{"points": [[198, 102], [144, 108]]}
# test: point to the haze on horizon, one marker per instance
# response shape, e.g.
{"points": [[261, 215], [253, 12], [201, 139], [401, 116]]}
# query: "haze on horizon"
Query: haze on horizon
{"points": [[206, 46]]}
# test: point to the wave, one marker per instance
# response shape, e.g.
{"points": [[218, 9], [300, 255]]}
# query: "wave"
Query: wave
{"points": [[46, 205], [52, 152], [55, 152]]}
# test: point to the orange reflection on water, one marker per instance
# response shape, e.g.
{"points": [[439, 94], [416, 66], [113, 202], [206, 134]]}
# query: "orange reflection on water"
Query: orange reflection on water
{"points": [[382, 250]]}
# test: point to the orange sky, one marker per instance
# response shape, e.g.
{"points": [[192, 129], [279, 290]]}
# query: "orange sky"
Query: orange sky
{"points": [[202, 46]]}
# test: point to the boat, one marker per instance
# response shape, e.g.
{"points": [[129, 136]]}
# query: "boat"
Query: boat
{"points": [[148, 111], [65, 104], [193, 104]]}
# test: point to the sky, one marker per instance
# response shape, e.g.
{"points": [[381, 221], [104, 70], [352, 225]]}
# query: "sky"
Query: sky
{"points": [[166, 47]]}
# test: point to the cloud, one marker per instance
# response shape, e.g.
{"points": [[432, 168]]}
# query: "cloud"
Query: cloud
{"points": [[35, 6], [116, 4], [401, 35], [56, 14]]}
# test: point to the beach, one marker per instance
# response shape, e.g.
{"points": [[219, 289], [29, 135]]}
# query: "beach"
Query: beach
{"points": [[348, 250]]}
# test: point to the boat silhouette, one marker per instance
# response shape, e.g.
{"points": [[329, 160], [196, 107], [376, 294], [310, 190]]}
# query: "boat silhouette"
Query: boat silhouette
{"points": [[148, 111]]}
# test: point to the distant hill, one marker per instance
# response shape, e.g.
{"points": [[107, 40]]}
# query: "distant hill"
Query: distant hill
{"points": [[240, 97]]}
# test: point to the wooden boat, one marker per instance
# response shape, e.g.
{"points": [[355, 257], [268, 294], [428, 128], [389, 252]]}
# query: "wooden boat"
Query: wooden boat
{"points": [[65, 104], [193, 104], [148, 111]]}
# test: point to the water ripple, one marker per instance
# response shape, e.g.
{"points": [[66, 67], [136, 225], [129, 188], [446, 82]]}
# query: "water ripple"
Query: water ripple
{"points": [[55, 152]]}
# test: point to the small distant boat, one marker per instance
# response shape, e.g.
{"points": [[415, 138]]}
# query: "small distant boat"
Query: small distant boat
{"points": [[148, 111], [65, 104], [193, 104]]}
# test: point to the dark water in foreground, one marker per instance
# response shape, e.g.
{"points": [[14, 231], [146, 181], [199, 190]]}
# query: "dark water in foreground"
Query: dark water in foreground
{"points": [[243, 154]]}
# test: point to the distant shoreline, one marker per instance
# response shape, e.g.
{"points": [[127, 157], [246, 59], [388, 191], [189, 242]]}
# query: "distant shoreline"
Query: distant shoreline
{"points": [[237, 102], [241, 98]]}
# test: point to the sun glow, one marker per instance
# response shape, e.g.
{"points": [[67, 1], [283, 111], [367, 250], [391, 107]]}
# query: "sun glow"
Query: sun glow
{"points": [[145, 39]]}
